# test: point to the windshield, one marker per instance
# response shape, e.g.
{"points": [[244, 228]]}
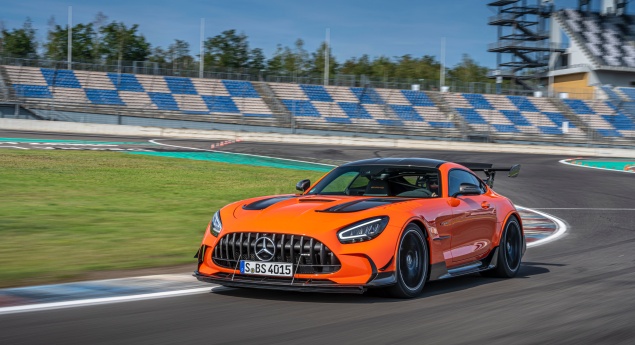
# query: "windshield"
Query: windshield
{"points": [[373, 180]]}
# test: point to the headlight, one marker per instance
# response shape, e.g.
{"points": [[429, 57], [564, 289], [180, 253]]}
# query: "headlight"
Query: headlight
{"points": [[217, 225], [362, 231]]}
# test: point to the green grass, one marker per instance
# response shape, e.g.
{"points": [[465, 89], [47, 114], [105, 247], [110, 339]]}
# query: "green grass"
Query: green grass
{"points": [[65, 213]]}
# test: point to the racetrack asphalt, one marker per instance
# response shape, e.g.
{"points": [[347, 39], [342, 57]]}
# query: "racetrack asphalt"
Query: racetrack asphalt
{"points": [[576, 290]]}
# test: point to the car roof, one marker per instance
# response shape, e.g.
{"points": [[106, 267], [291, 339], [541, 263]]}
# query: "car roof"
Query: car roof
{"points": [[409, 162]]}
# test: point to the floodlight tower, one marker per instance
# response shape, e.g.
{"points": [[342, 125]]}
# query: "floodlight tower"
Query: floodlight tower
{"points": [[523, 47]]}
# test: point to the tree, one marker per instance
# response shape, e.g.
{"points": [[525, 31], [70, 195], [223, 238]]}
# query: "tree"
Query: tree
{"points": [[425, 67], [178, 54], [228, 49], [469, 71], [318, 61], [121, 43], [292, 61], [20, 43], [257, 59], [382, 67], [98, 23], [160, 56], [56, 47], [361, 66], [296, 60], [274, 65]]}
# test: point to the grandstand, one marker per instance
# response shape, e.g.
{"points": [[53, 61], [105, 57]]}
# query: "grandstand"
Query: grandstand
{"points": [[446, 115]]}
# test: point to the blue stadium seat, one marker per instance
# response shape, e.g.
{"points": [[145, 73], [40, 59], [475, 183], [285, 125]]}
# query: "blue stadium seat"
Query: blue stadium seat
{"points": [[109, 97], [629, 92], [516, 117], [32, 91], [610, 92], [406, 112], [628, 108], [417, 98], [478, 101], [342, 120], [316, 93], [608, 132], [441, 124], [578, 106], [620, 122], [550, 130], [61, 78], [164, 101], [367, 95], [389, 122], [505, 128], [243, 89], [523, 103], [558, 119], [301, 108], [354, 110], [220, 104], [125, 82], [180, 85], [611, 105], [471, 116]]}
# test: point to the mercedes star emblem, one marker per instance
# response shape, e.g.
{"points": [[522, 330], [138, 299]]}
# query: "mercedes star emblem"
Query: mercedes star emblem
{"points": [[268, 250]]}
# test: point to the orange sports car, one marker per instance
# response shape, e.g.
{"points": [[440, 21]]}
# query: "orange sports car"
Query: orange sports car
{"points": [[385, 223]]}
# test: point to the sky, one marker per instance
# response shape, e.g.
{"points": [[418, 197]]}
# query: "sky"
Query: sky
{"points": [[374, 27]]}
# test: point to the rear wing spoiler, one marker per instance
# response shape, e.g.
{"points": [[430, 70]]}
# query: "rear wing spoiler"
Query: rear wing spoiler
{"points": [[490, 170]]}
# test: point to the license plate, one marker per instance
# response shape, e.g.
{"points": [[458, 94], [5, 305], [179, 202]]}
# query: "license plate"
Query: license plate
{"points": [[275, 269]]}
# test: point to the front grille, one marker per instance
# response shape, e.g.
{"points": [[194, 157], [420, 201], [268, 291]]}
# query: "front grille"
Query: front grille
{"points": [[307, 254]]}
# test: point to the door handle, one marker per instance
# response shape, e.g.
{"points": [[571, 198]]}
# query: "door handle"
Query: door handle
{"points": [[485, 205]]}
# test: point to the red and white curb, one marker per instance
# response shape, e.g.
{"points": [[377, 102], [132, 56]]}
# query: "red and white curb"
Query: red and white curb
{"points": [[223, 143]]}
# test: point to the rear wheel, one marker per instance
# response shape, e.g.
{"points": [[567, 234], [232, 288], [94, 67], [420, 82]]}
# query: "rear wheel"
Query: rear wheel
{"points": [[510, 251], [412, 264]]}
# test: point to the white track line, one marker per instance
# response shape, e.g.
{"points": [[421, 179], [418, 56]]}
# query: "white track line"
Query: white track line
{"points": [[566, 161], [154, 141], [104, 300], [561, 227]]}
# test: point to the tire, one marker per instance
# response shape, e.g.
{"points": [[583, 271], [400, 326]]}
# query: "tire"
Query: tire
{"points": [[412, 264], [510, 251]]}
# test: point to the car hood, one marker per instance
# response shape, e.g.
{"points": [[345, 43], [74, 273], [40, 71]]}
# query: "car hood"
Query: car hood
{"points": [[306, 214]]}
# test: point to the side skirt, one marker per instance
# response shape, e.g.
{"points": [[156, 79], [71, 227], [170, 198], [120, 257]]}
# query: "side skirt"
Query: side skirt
{"points": [[440, 271]]}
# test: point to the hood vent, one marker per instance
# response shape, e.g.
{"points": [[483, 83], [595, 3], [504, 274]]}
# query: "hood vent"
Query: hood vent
{"points": [[315, 200], [361, 205]]}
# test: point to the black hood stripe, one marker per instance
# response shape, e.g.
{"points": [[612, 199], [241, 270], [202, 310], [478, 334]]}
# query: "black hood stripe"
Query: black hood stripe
{"points": [[264, 203]]}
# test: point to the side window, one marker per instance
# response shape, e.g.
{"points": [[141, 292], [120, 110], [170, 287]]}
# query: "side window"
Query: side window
{"points": [[457, 177]]}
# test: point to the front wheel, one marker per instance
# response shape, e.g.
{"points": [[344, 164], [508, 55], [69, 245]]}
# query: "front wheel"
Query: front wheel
{"points": [[510, 251], [412, 263]]}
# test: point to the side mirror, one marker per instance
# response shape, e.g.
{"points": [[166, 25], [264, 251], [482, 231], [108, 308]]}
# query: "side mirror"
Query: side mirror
{"points": [[514, 171], [467, 189], [303, 185]]}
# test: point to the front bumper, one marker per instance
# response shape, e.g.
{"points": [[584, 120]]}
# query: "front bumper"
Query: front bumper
{"points": [[304, 285]]}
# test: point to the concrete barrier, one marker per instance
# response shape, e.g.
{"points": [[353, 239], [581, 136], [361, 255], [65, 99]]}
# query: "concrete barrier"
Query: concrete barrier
{"points": [[159, 132]]}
